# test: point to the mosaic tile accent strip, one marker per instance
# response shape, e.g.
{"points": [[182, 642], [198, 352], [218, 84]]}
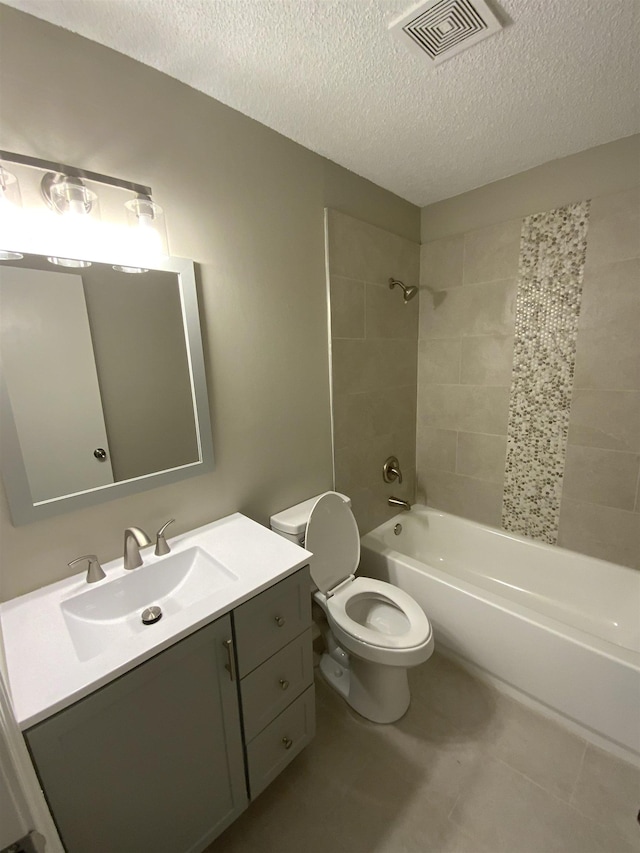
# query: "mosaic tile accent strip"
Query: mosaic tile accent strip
{"points": [[552, 253]]}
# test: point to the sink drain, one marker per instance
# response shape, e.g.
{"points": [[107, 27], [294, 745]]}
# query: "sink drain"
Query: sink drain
{"points": [[151, 615]]}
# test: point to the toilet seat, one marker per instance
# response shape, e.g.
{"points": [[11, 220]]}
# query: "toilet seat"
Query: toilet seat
{"points": [[404, 636], [416, 633]]}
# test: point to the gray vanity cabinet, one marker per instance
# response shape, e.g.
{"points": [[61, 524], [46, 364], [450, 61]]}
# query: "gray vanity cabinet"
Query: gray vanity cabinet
{"points": [[275, 663], [153, 761]]}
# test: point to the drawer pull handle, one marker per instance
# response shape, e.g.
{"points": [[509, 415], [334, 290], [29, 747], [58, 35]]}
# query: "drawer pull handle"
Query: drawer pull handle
{"points": [[230, 666], [287, 742], [279, 621], [284, 683]]}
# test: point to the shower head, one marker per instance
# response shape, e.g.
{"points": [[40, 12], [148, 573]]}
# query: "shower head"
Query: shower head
{"points": [[409, 292]]}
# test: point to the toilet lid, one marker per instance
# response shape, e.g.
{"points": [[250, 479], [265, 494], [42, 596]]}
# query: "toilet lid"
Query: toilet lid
{"points": [[333, 539]]}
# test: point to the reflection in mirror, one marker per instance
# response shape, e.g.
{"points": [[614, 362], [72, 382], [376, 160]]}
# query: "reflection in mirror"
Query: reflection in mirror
{"points": [[103, 381]]}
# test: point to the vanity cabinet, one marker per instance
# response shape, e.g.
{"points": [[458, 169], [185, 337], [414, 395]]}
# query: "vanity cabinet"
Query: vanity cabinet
{"points": [[156, 759], [152, 761], [275, 664]]}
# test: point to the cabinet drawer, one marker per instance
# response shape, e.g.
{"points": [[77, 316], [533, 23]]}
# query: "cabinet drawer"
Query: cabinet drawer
{"points": [[272, 619], [271, 687], [270, 752]]}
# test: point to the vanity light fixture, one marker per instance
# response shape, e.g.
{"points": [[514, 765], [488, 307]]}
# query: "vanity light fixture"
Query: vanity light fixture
{"points": [[67, 194], [10, 201], [72, 193], [9, 188], [130, 270], [69, 262]]}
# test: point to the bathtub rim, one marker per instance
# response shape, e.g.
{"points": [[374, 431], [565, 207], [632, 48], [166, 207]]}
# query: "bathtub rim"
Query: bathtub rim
{"points": [[607, 648]]}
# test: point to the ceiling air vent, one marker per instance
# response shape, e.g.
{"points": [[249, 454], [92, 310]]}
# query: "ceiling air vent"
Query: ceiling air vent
{"points": [[442, 28]]}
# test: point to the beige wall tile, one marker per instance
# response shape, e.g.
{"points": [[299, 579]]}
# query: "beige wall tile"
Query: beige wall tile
{"points": [[347, 308], [484, 309], [436, 449], [481, 456], [607, 358], [614, 228], [491, 308], [359, 473], [443, 314], [492, 253], [606, 477], [487, 360], [395, 363], [351, 418], [611, 297], [387, 314], [362, 251], [465, 496], [441, 263], [608, 419], [371, 365], [373, 413], [470, 408], [393, 409], [439, 361], [600, 531], [352, 366]]}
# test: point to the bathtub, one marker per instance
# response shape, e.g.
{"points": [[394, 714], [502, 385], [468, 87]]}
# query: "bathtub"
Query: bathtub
{"points": [[559, 630]]}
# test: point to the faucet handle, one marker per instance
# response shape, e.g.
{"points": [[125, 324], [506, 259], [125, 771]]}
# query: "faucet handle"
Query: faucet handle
{"points": [[391, 470], [162, 546], [94, 572]]}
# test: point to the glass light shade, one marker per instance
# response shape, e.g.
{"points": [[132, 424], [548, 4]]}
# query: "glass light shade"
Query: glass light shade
{"points": [[11, 215], [146, 219], [130, 270], [69, 262], [71, 197], [9, 188]]}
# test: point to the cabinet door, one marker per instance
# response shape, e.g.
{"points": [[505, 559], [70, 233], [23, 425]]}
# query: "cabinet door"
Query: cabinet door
{"points": [[151, 762]]}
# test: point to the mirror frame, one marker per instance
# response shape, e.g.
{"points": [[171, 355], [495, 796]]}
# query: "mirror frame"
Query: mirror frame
{"points": [[14, 474]]}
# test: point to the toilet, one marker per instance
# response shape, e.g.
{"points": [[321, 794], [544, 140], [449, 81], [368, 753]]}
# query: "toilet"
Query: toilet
{"points": [[373, 631]]}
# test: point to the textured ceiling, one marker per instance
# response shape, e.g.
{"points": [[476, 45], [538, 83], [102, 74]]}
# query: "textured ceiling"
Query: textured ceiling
{"points": [[563, 76]]}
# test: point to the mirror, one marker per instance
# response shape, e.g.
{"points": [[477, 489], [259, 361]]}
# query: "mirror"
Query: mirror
{"points": [[102, 384]]}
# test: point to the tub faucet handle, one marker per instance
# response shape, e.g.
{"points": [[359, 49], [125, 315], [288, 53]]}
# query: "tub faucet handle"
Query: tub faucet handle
{"points": [[391, 470], [162, 546]]}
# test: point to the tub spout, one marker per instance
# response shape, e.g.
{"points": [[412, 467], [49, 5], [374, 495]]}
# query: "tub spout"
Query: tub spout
{"points": [[399, 502]]}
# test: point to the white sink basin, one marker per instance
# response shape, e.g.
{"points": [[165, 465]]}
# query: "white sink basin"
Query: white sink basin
{"points": [[66, 640], [110, 612]]}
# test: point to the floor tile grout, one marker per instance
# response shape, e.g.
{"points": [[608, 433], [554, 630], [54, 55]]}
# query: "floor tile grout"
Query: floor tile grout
{"points": [[578, 774]]}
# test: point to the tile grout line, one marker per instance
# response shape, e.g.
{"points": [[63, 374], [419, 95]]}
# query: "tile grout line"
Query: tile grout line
{"points": [[578, 774]]}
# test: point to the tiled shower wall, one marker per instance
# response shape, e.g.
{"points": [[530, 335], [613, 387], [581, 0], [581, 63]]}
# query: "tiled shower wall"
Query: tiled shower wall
{"points": [[567, 401], [374, 341]]}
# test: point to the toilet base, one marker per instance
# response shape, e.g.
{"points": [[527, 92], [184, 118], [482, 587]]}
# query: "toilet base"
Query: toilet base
{"points": [[377, 692]]}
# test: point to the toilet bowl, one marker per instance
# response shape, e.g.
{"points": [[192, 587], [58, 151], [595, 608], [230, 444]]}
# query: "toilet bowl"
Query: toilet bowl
{"points": [[373, 631]]}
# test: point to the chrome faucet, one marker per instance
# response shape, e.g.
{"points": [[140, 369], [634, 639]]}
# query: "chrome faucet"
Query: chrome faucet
{"points": [[399, 502], [134, 539]]}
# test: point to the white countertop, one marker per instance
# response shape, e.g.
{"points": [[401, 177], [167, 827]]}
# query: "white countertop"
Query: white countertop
{"points": [[45, 674]]}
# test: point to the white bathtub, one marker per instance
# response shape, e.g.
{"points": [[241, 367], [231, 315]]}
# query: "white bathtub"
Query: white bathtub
{"points": [[561, 628]]}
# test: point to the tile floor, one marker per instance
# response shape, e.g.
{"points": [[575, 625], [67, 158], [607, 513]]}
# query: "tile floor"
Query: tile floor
{"points": [[467, 770]]}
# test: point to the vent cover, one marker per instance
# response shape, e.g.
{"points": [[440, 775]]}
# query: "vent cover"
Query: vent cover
{"points": [[442, 28]]}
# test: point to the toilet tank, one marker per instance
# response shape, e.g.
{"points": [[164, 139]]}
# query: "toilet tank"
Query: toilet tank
{"points": [[292, 522]]}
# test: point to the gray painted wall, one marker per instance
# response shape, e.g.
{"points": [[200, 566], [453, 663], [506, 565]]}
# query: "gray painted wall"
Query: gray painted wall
{"points": [[246, 205]]}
